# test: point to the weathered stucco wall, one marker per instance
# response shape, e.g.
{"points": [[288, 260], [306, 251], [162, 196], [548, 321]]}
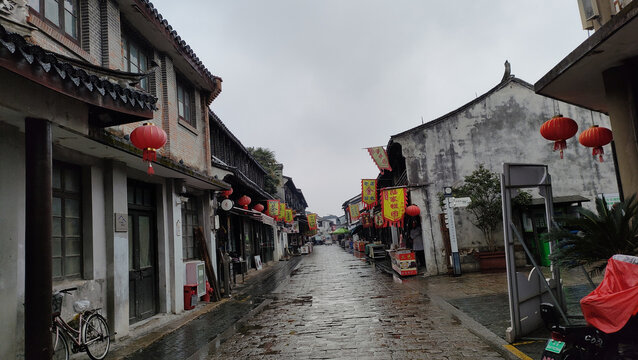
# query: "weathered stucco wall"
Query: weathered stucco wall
{"points": [[498, 128]]}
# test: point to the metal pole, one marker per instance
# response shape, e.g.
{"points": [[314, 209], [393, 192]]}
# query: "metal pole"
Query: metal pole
{"points": [[510, 259], [549, 214], [38, 224]]}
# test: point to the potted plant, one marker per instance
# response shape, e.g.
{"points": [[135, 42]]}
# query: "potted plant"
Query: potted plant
{"points": [[593, 237], [483, 187]]}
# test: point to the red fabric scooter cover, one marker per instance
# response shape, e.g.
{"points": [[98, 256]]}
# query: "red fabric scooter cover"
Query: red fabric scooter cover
{"points": [[615, 300]]}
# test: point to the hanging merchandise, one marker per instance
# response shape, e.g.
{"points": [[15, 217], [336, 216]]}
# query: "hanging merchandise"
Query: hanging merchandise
{"points": [[353, 210], [393, 203], [380, 158], [227, 193], [273, 208], [312, 221], [412, 210], [148, 138], [244, 201], [378, 220], [289, 218], [258, 207], [369, 193], [558, 129], [596, 137]]}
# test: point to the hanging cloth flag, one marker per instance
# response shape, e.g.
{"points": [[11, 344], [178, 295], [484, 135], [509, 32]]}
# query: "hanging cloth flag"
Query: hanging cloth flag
{"points": [[378, 220], [312, 221], [366, 220], [289, 218], [380, 158], [369, 193], [393, 203], [282, 211], [353, 209], [273, 208]]}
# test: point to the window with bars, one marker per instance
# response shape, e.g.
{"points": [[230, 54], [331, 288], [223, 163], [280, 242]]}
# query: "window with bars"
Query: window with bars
{"points": [[190, 221], [63, 14], [67, 221], [185, 103], [135, 59]]}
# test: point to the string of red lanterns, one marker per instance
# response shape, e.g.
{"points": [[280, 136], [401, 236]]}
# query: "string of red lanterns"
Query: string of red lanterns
{"points": [[596, 137], [558, 129]]}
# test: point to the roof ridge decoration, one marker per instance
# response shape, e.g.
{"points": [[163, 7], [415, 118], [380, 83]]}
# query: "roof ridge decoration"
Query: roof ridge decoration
{"points": [[178, 41], [34, 55]]}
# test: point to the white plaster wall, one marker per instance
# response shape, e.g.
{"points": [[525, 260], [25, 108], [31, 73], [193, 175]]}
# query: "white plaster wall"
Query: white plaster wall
{"points": [[176, 267], [504, 127], [12, 214]]}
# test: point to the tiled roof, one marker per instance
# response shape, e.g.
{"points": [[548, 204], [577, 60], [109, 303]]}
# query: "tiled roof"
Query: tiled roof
{"points": [[55, 65], [178, 40]]}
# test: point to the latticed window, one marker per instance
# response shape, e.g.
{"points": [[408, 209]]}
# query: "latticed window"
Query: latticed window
{"points": [[190, 222], [185, 103], [135, 59], [67, 221], [62, 14]]}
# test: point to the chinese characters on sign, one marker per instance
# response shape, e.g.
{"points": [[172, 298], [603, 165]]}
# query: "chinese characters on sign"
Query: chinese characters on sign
{"points": [[273, 208], [312, 221], [366, 220], [289, 216], [380, 158], [378, 220], [393, 203], [354, 212], [282, 211], [369, 193]]}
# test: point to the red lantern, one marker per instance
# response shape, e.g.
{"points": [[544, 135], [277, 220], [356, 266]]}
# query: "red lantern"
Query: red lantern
{"points": [[258, 207], [148, 138], [412, 210], [244, 201], [227, 193], [596, 137], [558, 129]]}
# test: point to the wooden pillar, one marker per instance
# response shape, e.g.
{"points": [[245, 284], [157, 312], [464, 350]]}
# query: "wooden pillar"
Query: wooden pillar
{"points": [[38, 272]]}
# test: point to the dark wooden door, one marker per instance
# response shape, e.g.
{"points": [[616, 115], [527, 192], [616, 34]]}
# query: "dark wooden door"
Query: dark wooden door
{"points": [[142, 258]]}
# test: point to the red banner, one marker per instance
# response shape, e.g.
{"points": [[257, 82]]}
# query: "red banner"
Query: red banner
{"points": [[366, 220], [369, 193], [353, 209], [393, 204], [312, 221], [378, 220], [289, 218], [380, 158], [273, 208]]}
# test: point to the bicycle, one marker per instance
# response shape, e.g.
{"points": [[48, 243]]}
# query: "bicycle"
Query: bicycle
{"points": [[91, 335]]}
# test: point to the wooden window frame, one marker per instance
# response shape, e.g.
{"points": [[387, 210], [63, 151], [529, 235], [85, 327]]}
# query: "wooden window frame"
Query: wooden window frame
{"points": [[188, 237], [40, 13], [130, 38], [185, 88], [63, 195]]}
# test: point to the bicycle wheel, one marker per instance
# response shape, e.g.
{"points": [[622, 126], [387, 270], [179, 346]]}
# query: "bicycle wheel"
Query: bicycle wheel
{"points": [[95, 336], [60, 346]]}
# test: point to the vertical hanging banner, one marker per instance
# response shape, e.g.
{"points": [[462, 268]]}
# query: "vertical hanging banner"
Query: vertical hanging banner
{"points": [[288, 216], [369, 193], [353, 209], [380, 158], [312, 221], [393, 203], [366, 220], [273, 208], [282, 211], [378, 220]]}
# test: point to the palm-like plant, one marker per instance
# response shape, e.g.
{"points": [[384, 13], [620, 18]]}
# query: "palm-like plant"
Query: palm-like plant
{"points": [[599, 235]]}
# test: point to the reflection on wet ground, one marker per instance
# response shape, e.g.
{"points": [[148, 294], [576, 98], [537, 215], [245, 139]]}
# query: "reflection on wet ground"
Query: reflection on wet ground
{"points": [[338, 306]]}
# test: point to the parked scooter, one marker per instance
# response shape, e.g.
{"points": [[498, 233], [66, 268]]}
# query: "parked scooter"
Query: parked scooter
{"points": [[611, 314]]}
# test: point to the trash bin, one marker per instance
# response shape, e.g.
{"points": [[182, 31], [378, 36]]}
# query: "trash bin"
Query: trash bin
{"points": [[190, 296]]}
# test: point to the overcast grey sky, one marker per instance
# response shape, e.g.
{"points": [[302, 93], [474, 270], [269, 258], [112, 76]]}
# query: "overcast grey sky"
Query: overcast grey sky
{"points": [[317, 81]]}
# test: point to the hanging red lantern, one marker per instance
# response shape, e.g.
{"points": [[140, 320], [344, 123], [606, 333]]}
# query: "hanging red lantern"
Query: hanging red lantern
{"points": [[558, 129], [596, 137], [244, 201], [148, 138], [258, 207], [412, 210], [227, 193]]}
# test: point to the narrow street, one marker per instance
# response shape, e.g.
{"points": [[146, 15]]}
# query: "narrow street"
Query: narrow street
{"points": [[338, 306]]}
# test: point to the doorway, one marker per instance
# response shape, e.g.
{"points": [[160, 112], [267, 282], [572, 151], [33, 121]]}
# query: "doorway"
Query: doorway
{"points": [[142, 252]]}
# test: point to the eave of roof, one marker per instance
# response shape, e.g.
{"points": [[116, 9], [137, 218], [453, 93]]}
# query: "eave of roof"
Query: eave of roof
{"points": [[56, 73], [153, 14], [479, 99]]}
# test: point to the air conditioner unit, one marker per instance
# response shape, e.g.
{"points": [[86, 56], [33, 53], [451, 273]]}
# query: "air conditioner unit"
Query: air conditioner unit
{"points": [[196, 274]]}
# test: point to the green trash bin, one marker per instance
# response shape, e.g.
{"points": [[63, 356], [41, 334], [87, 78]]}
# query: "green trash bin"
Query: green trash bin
{"points": [[544, 250]]}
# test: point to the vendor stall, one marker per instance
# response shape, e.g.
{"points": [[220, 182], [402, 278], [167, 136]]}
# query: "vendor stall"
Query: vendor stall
{"points": [[403, 261]]}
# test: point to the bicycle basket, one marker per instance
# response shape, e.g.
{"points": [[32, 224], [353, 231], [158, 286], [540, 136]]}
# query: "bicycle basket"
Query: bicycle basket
{"points": [[56, 302]]}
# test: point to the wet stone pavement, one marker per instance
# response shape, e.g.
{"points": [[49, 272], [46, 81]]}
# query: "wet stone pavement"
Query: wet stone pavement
{"points": [[336, 306]]}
